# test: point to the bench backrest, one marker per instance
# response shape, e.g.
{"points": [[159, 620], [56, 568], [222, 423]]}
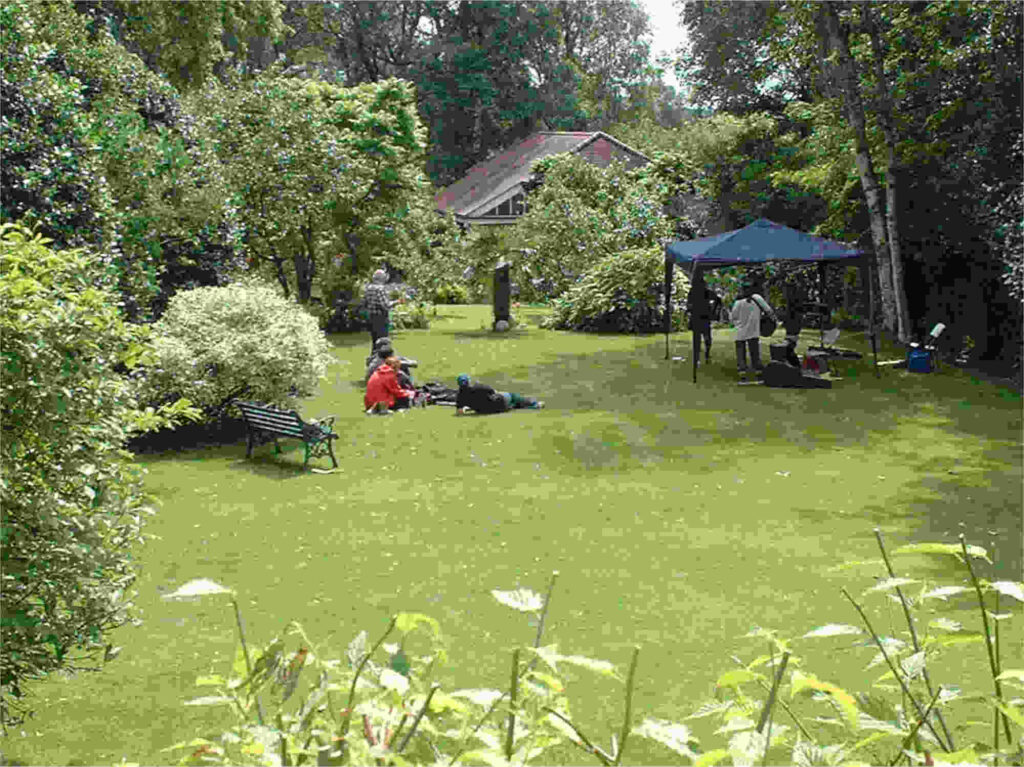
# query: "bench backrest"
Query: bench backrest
{"points": [[285, 422]]}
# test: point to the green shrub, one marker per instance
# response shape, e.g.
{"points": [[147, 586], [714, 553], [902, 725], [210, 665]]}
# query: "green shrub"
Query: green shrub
{"points": [[217, 343], [71, 502], [451, 293], [408, 315], [621, 293], [382, 702]]}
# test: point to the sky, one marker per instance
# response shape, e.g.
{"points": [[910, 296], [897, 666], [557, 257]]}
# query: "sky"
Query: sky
{"points": [[667, 33]]}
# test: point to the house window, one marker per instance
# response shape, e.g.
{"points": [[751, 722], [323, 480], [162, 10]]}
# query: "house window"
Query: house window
{"points": [[514, 206]]}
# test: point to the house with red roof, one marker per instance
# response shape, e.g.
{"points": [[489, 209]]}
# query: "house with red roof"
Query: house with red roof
{"points": [[492, 192]]}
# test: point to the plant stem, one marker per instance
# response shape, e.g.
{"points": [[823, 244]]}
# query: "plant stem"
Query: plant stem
{"points": [[590, 747], [359, 670], [913, 634], [626, 724], [892, 667], [281, 735], [479, 725], [512, 705], [544, 614], [785, 706], [913, 733], [992, 662], [766, 713], [245, 652], [416, 722]]}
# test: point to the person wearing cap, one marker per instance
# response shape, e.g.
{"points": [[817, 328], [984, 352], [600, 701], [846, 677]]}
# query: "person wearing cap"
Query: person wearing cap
{"points": [[383, 392], [746, 317], [483, 399], [382, 349], [378, 307]]}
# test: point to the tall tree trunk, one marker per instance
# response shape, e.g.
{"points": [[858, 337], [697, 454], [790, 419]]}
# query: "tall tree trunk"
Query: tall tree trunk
{"points": [[884, 110], [868, 178], [305, 264]]}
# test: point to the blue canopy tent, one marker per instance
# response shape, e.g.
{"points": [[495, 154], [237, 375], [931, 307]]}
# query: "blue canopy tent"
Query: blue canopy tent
{"points": [[759, 243]]}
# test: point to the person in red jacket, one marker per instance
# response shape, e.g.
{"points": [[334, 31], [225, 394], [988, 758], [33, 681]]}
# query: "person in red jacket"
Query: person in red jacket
{"points": [[383, 390]]}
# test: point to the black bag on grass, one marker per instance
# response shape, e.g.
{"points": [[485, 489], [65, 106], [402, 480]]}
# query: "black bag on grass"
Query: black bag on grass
{"points": [[781, 375]]}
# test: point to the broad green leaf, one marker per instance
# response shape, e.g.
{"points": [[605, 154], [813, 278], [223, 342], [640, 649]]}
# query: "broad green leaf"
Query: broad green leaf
{"points": [[357, 649], [407, 622], [735, 677], [239, 669], [946, 624], [523, 600], [1010, 589], [392, 680], [949, 640], [444, 702], [710, 709], [197, 588], [208, 700], [400, 663], [481, 697], [913, 665], [736, 724], [568, 731], [1015, 714], [943, 548], [944, 591], [891, 583], [672, 735], [494, 758], [710, 758], [849, 565], [963, 756], [747, 747], [602, 667], [847, 704], [831, 630], [547, 681], [1011, 673], [210, 681], [872, 738]]}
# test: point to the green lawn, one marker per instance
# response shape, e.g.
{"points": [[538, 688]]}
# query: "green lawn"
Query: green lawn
{"points": [[679, 516]]}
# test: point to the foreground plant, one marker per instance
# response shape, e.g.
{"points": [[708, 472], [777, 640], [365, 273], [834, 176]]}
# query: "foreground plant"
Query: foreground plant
{"points": [[380, 705]]}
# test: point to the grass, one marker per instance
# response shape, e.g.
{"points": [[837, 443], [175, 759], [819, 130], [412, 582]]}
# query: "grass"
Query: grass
{"points": [[678, 515]]}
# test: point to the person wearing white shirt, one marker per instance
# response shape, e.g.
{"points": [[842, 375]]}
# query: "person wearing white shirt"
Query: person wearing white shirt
{"points": [[746, 317]]}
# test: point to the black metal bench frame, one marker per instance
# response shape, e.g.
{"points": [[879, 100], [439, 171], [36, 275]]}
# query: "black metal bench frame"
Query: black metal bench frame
{"points": [[265, 423]]}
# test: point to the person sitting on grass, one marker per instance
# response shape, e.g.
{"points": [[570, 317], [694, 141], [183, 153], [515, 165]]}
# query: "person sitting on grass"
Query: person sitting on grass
{"points": [[383, 392], [484, 399], [382, 349]]}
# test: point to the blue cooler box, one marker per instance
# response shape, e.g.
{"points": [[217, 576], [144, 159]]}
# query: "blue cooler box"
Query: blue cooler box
{"points": [[919, 361]]}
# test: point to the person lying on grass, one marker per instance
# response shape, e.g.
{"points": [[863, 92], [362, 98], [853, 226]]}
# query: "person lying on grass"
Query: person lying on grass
{"points": [[484, 399], [383, 390]]}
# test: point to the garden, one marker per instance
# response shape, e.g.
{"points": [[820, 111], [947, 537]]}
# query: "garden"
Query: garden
{"points": [[651, 569], [679, 519]]}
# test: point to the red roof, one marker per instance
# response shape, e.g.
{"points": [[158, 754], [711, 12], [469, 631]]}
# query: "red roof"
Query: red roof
{"points": [[491, 178]]}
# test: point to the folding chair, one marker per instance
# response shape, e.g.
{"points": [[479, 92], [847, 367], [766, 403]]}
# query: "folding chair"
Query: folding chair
{"points": [[922, 358], [828, 347]]}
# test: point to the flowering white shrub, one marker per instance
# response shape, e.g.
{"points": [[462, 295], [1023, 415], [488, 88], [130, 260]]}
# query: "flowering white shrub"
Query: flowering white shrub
{"points": [[240, 340]]}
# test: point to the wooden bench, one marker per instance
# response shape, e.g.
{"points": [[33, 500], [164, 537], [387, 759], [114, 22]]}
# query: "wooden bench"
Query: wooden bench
{"points": [[265, 423]]}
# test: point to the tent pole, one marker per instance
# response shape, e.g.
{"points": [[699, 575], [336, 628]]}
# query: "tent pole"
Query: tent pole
{"points": [[669, 265], [693, 349]]}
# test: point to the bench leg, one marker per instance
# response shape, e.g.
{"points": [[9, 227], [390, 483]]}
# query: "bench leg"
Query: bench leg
{"points": [[305, 461], [330, 450], [250, 443]]}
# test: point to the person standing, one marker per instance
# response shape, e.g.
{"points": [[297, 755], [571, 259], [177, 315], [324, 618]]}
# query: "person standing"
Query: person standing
{"points": [[378, 307], [746, 318], [700, 303]]}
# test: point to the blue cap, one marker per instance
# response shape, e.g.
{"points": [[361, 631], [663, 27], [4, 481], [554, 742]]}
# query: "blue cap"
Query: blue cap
{"points": [[463, 379]]}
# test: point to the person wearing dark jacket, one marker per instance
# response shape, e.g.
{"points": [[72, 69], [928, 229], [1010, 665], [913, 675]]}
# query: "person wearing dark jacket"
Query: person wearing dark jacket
{"points": [[702, 304], [383, 390], [484, 399], [382, 349]]}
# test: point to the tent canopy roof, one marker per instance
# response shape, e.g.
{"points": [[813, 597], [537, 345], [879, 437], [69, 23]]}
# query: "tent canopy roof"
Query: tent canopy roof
{"points": [[757, 243]]}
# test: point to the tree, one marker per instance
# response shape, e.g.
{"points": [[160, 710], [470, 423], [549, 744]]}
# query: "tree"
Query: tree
{"points": [[187, 41], [100, 153], [578, 213], [316, 170], [71, 500]]}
